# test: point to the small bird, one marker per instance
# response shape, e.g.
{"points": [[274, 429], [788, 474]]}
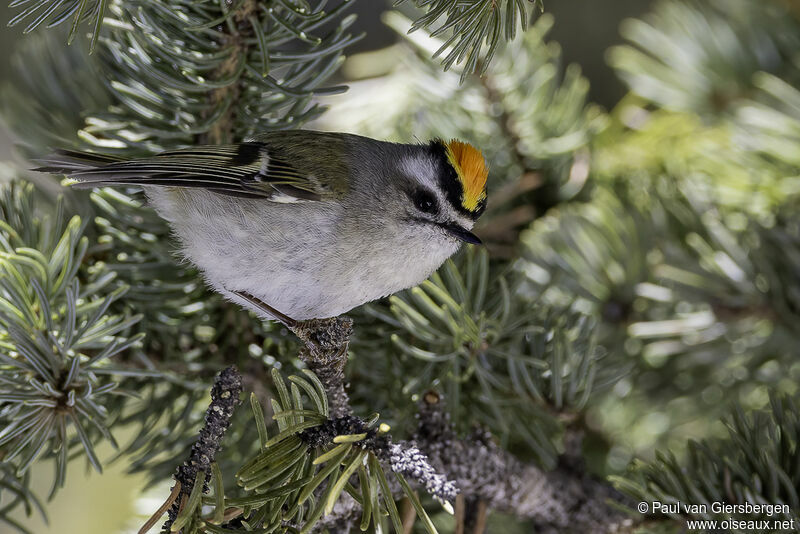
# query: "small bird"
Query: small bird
{"points": [[301, 225]]}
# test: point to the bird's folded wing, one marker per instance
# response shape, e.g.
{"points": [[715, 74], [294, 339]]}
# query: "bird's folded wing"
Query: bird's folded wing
{"points": [[248, 169]]}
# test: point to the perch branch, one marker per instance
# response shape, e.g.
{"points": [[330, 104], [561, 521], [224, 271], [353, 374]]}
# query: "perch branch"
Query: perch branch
{"points": [[325, 352], [483, 475]]}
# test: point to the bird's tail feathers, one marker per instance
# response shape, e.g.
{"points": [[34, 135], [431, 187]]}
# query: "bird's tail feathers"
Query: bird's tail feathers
{"points": [[225, 169], [73, 162]]}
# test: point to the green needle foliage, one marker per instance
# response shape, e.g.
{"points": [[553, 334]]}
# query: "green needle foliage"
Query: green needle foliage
{"points": [[471, 25], [58, 337], [224, 71], [277, 486], [53, 13], [505, 358]]}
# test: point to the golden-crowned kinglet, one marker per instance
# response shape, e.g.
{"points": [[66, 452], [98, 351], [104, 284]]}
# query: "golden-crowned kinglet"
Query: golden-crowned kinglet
{"points": [[312, 224]]}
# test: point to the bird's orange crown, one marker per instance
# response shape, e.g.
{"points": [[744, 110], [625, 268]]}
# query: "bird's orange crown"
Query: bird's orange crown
{"points": [[472, 172]]}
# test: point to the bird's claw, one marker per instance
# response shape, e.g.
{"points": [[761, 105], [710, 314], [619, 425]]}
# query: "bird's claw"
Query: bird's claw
{"points": [[326, 340]]}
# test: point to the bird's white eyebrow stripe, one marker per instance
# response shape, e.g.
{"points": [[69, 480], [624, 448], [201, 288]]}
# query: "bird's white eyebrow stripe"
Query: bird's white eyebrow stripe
{"points": [[425, 171], [421, 168]]}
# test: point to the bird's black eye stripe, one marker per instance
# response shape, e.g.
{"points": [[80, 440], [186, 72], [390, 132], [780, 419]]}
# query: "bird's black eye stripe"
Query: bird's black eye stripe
{"points": [[479, 210], [424, 201]]}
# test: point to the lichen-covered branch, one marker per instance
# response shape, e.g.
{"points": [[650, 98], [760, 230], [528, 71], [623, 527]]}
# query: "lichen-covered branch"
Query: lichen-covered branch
{"points": [[224, 399], [325, 353], [564, 500], [475, 468]]}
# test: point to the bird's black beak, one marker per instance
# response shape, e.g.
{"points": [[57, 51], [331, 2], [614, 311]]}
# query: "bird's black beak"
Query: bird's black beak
{"points": [[462, 234]]}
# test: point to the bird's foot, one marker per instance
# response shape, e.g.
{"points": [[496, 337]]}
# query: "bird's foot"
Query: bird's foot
{"points": [[284, 319], [326, 340], [325, 351]]}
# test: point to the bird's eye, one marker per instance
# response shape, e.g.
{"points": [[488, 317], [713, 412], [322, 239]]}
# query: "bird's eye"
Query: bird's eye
{"points": [[424, 201]]}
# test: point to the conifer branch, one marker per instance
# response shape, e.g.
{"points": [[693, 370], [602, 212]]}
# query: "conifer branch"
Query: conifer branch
{"points": [[471, 25], [668, 271], [57, 337], [230, 70]]}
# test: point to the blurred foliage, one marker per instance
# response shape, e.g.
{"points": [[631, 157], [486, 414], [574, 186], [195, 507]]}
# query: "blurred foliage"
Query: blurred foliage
{"points": [[643, 147], [15, 489], [701, 56], [756, 464], [769, 125], [705, 313], [49, 99]]}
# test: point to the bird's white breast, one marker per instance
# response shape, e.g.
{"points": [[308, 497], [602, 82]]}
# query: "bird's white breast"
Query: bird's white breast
{"points": [[300, 258]]}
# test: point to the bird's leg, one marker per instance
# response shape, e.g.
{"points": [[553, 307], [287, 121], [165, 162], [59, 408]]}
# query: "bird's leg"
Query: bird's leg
{"points": [[325, 352], [327, 337], [287, 321]]}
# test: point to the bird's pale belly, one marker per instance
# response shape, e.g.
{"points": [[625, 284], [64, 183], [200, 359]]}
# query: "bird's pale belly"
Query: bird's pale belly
{"points": [[294, 259], [330, 282], [305, 284]]}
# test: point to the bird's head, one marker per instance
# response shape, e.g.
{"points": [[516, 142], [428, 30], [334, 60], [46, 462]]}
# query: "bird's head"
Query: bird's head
{"points": [[444, 188]]}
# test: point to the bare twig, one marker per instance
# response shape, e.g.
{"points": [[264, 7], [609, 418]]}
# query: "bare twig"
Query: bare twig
{"points": [[481, 515], [224, 399], [459, 513]]}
